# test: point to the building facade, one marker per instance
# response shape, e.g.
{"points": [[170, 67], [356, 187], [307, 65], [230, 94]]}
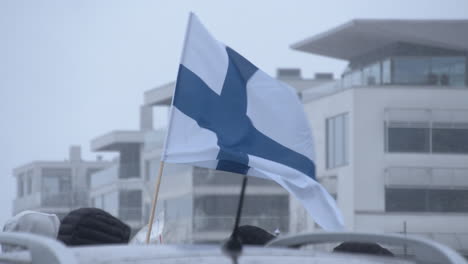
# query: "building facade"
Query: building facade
{"points": [[55, 186], [391, 142], [392, 136]]}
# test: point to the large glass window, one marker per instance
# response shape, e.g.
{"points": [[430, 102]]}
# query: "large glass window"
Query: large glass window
{"points": [[29, 185], [352, 78], [424, 138], [371, 74], [450, 140], [425, 200], [408, 139], [29, 181], [412, 70], [130, 204], [56, 187], [441, 71], [20, 186], [56, 180], [387, 71], [337, 141], [449, 71], [444, 71]]}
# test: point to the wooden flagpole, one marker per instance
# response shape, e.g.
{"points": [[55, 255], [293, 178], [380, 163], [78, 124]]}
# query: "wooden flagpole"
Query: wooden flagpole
{"points": [[161, 166], [155, 200]]}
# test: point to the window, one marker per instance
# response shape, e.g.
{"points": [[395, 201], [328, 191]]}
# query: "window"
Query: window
{"points": [[353, 78], [444, 71], [425, 200], [408, 139], [371, 74], [56, 187], [412, 70], [386, 71], [29, 185], [130, 205], [450, 140], [56, 180], [450, 71], [20, 186], [423, 138], [337, 141]]}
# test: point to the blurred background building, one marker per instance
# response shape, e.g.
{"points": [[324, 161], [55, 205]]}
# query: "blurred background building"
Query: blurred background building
{"points": [[55, 186], [391, 140], [392, 135]]}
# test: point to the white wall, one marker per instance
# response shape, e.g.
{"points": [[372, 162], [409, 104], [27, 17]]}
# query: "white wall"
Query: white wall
{"points": [[370, 159], [317, 112]]}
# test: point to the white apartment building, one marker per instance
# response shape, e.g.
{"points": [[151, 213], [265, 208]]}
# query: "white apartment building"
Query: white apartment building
{"points": [[55, 186], [120, 189], [392, 137]]}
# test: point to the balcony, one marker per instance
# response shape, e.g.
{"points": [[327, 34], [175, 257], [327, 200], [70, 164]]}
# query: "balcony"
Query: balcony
{"points": [[38, 200], [447, 178], [72, 199], [115, 173], [117, 140]]}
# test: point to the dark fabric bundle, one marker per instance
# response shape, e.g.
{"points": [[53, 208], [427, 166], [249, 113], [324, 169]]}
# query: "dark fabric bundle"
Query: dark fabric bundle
{"points": [[91, 226], [363, 248], [252, 235]]}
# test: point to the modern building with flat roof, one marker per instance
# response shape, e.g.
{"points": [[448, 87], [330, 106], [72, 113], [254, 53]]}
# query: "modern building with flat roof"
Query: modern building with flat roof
{"points": [[392, 136], [55, 186]]}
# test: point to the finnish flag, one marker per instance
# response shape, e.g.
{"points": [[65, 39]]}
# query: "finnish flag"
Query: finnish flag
{"points": [[229, 115]]}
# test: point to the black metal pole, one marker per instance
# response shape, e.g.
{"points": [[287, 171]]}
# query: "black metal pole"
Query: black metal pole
{"points": [[233, 246], [240, 205]]}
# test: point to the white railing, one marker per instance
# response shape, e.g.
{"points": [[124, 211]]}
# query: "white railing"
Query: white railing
{"points": [[427, 177], [105, 177], [431, 117], [71, 199]]}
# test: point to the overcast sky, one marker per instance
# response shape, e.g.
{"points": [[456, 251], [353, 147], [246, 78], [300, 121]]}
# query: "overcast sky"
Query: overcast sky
{"points": [[73, 70]]}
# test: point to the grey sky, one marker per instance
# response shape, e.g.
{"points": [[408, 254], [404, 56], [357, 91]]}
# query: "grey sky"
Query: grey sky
{"points": [[72, 70]]}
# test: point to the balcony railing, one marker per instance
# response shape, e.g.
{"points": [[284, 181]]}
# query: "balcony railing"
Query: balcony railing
{"points": [[71, 199], [114, 173], [226, 223], [427, 177], [447, 118], [134, 214]]}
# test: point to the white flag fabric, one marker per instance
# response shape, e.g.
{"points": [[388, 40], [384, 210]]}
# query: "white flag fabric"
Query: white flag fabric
{"points": [[229, 115]]}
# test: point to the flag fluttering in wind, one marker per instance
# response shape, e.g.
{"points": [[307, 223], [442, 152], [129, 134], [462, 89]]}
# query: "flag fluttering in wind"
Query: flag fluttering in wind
{"points": [[229, 115]]}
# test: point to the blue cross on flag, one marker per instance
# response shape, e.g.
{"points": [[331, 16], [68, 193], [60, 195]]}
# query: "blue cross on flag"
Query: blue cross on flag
{"points": [[228, 115]]}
